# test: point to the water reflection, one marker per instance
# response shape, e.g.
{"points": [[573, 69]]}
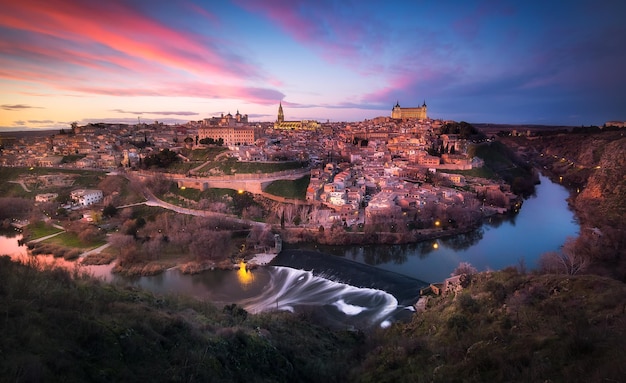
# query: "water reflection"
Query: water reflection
{"points": [[244, 275], [542, 224], [463, 241]]}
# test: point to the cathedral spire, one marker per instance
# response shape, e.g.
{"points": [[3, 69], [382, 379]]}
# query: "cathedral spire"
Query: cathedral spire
{"points": [[281, 116]]}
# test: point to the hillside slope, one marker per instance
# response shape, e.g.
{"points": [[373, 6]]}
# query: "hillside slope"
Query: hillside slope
{"points": [[593, 167], [504, 326]]}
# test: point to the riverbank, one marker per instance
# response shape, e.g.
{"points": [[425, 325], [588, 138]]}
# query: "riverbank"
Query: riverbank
{"points": [[296, 235], [591, 166]]}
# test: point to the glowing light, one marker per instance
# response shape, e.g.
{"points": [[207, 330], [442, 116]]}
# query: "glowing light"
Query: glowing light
{"points": [[244, 275], [437, 223], [240, 191], [435, 245], [183, 188]]}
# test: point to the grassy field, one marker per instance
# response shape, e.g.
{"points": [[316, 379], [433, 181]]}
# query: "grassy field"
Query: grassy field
{"points": [[41, 229], [83, 178], [231, 166], [295, 189], [71, 240], [206, 154], [482, 172]]}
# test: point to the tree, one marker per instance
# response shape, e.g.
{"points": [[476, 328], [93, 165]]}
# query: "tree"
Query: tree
{"points": [[464, 268], [109, 211], [163, 159], [568, 261], [208, 244]]}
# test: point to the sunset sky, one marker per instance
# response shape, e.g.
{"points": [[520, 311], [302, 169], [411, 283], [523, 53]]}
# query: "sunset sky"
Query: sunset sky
{"points": [[535, 62]]}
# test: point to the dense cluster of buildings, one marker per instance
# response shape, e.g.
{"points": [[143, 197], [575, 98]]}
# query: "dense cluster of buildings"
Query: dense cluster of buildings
{"points": [[359, 170]]}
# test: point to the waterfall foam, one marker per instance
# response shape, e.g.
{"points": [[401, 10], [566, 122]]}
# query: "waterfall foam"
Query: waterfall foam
{"points": [[290, 289]]}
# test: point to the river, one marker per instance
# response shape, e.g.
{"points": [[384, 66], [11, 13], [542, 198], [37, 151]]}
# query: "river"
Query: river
{"points": [[365, 286], [543, 224]]}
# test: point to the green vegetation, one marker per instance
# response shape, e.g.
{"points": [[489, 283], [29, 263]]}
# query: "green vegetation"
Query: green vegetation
{"points": [[482, 172], [59, 328], [72, 158], [510, 327], [504, 326], [82, 178], [180, 167], [463, 129], [205, 154], [289, 189], [231, 166], [73, 240], [10, 189], [197, 194], [502, 161], [41, 229], [162, 159], [233, 201]]}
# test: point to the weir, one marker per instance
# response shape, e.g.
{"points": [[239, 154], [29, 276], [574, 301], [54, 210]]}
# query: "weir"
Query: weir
{"points": [[405, 289], [334, 303]]}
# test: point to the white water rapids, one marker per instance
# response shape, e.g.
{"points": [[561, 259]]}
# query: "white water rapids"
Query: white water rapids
{"points": [[290, 289]]}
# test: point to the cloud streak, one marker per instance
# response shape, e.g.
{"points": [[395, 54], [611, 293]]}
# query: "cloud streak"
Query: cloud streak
{"points": [[14, 107], [162, 113]]}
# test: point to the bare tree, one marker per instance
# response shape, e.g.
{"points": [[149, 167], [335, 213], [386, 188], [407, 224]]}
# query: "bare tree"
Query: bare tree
{"points": [[153, 247], [158, 183], [290, 212], [127, 248], [13, 207], [464, 268], [218, 207], [567, 261], [279, 209], [210, 245], [90, 233], [303, 213], [267, 237], [255, 235]]}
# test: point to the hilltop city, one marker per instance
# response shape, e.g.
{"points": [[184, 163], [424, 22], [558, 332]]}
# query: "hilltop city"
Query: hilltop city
{"points": [[403, 169]]}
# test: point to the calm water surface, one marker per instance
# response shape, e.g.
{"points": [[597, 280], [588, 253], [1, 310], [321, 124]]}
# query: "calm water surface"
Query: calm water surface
{"points": [[542, 225]]}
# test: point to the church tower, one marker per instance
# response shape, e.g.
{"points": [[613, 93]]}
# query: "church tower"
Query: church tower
{"points": [[396, 112], [281, 116]]}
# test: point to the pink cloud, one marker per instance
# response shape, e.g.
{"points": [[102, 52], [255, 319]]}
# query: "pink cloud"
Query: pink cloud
{"points": [[254, 95], [131, 38]]}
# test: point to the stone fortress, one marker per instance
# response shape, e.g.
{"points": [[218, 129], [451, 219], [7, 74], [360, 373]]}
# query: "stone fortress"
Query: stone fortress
{"points": [[399, 113]]}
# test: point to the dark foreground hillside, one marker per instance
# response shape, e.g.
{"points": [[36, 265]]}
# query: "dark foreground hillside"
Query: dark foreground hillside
{"points": [[505, 326], [55, 327], [509, 327]]}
